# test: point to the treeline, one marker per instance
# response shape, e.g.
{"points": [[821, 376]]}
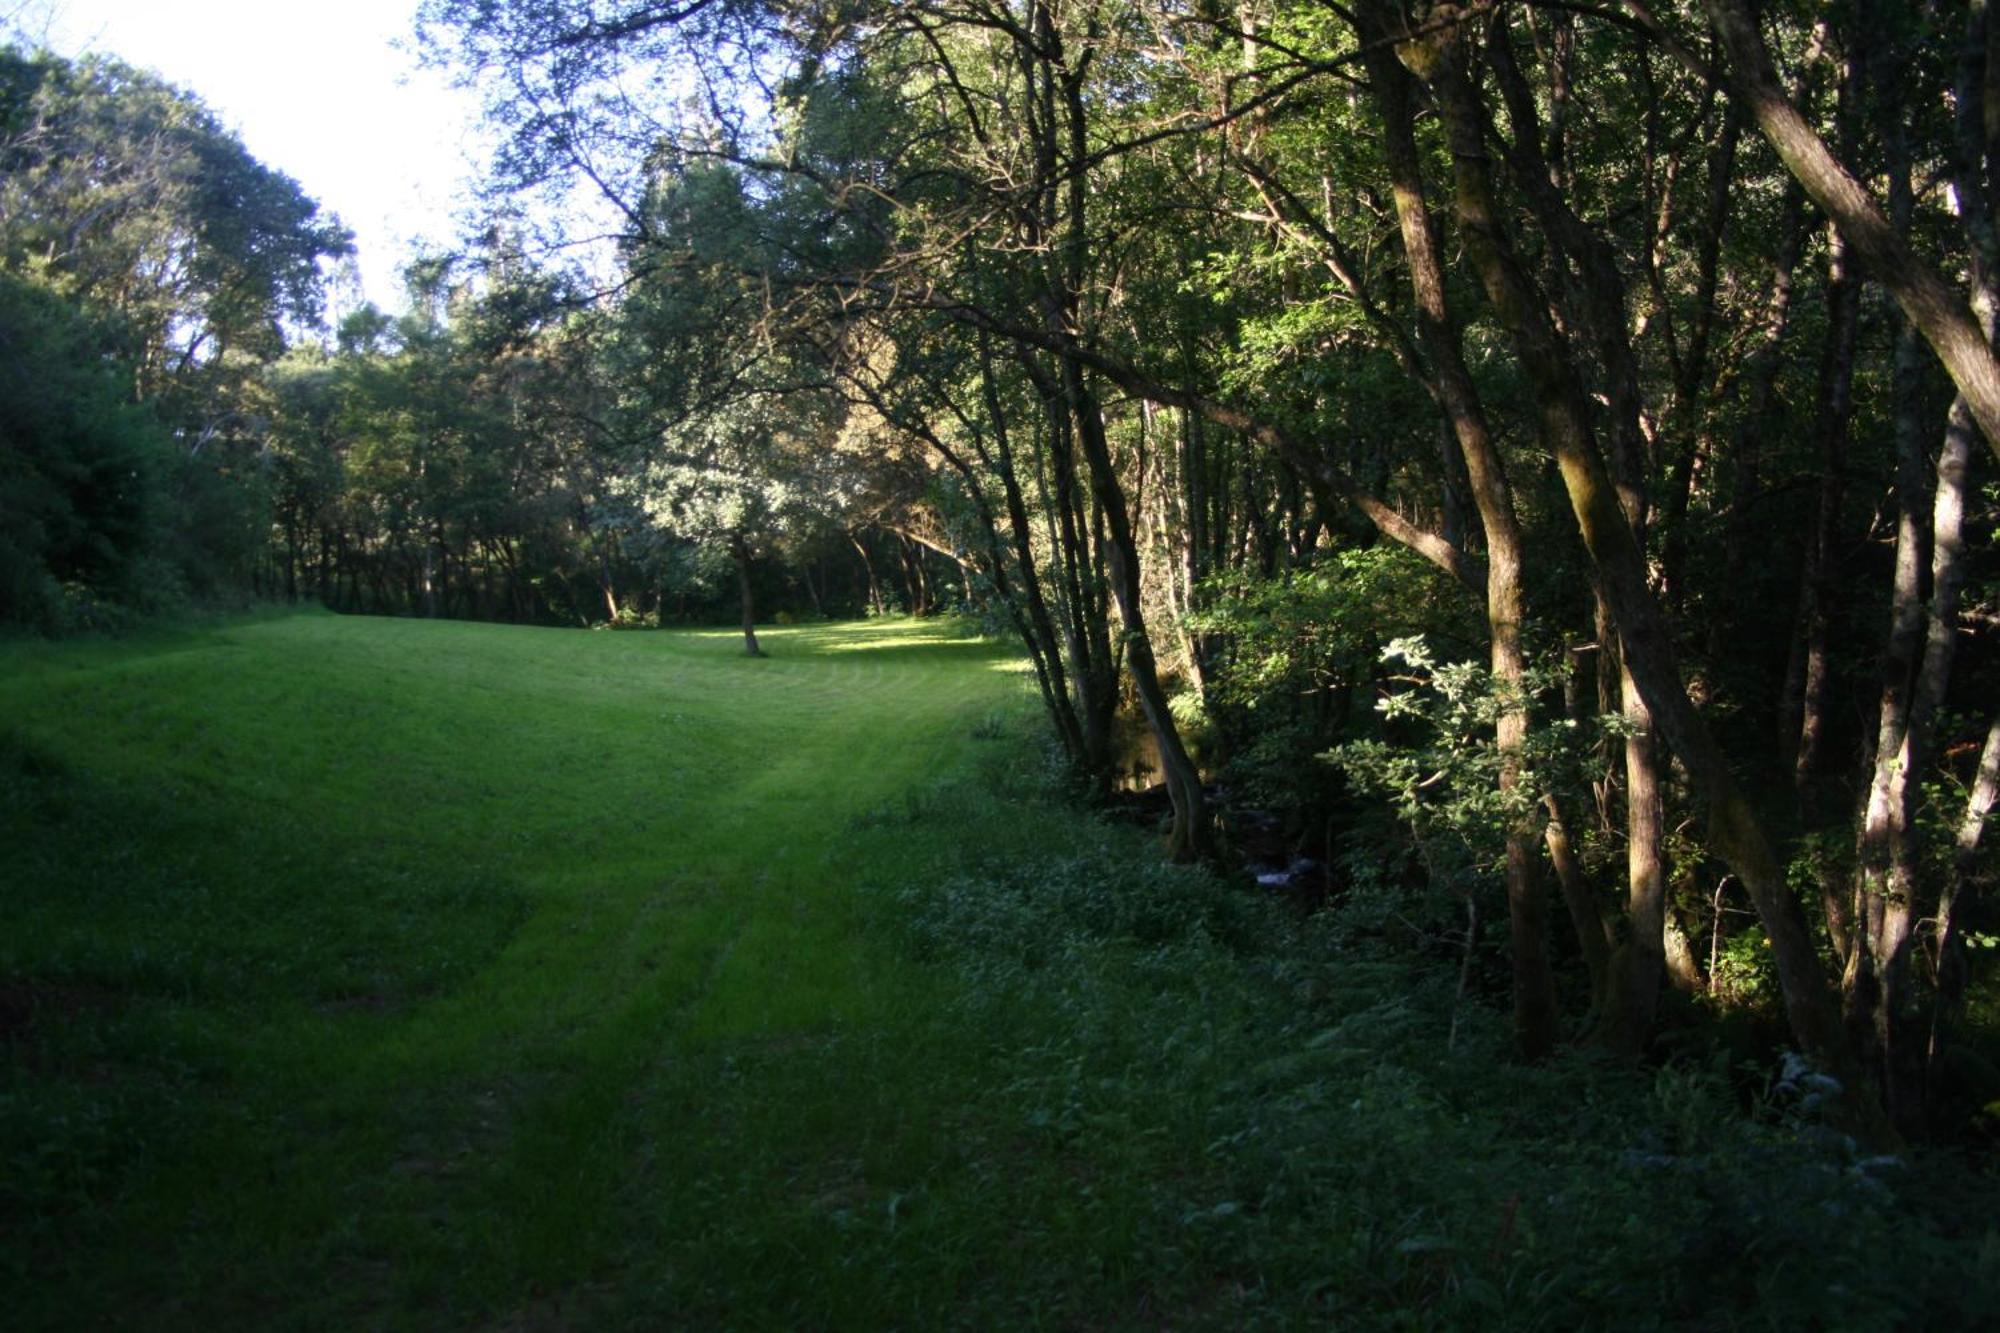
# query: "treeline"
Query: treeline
{"points": [[181, 426], [491, 455], [1565, 424]]}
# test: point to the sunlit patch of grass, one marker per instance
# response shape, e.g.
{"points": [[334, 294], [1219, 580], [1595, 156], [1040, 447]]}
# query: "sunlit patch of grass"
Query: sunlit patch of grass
{"points": [[897, 643]]}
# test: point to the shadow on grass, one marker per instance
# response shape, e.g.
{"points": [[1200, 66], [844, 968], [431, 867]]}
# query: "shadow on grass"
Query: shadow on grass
{"points": [[156, 934]]}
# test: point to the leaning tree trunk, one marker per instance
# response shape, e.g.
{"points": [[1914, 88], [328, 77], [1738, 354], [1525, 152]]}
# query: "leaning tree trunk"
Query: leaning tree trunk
{"points": [[1061, 707], [1085, 641], [1950, 945], [1734, 832], [1190, 836], [1598, 299], [1938, 312], [868, 568]]}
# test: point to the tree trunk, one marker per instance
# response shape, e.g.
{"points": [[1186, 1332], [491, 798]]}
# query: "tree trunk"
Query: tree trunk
{"points": [[1065, 198], [1189, 838], [1534, 985], [1819, 585], [1734, 833], [741, 553], [1951, 966], [1597, 304], [1192, 539], [1593, 936], [1937, 311], [1060, 706], [1085, 633], [868, 567]]}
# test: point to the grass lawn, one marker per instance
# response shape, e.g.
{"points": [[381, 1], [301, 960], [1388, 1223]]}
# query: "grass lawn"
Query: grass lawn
{"points": [[385, 971], [388, 974]]}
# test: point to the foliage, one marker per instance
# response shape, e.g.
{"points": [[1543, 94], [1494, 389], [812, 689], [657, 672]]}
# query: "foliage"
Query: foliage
{"points": [[83, 471], [1443, 777], [127, 195], [1294, 657], [1318, 628], [151, 267], [1201, 347], [1264, 1112]]}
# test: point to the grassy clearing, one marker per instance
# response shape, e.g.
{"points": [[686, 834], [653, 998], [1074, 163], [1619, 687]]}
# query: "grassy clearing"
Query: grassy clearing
{"points": [[393, 974], [354, 967]]}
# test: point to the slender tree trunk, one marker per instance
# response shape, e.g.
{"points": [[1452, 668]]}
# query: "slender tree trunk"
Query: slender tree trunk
{"points": [[1734, 832], [740, 551], [1064, 105], [910, 556], [1534, 986], [1042, 624], [1193, 537], [1190, 835], [1094, 694], [1810, 675], [437, 576], [1950, 944], [1683, 972], [868, 568], [1593, 935], [1691, 371], [608, 587], [1641, 964], [1887, 885], [1597, 301]]}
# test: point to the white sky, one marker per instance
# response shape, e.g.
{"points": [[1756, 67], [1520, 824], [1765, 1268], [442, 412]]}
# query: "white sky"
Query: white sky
{"points": [[318, 91]]}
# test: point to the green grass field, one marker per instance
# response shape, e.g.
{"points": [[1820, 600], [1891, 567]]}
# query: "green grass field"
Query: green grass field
{"points": [[388, 974], [373, 970]]}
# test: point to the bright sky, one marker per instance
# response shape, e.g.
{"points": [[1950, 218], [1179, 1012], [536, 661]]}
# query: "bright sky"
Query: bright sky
{"points": [[320, 92]]}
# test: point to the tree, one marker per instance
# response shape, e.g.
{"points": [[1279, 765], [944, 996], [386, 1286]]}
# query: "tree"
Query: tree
{"points": [[127, 201]]}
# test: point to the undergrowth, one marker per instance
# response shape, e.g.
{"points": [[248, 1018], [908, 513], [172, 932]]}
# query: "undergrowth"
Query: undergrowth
{"points": [[1289, 1141]]}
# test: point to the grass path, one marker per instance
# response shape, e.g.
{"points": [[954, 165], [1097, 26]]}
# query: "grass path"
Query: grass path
{"points": [[421, 961]]}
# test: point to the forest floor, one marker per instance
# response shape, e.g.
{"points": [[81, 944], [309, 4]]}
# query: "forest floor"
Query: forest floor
{"points": [[392, 974]]}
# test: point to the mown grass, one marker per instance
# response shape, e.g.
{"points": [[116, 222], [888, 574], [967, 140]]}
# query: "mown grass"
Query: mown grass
{"points": [[347, 958], [391, 974]]}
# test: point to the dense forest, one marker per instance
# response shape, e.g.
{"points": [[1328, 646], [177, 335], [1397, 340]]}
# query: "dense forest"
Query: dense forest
{"points": [[1528, 462]]}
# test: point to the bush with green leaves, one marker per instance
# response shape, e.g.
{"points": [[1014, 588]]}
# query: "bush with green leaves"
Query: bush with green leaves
{"points": [[82, 469], [1295, 658], [1438, 762]]}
